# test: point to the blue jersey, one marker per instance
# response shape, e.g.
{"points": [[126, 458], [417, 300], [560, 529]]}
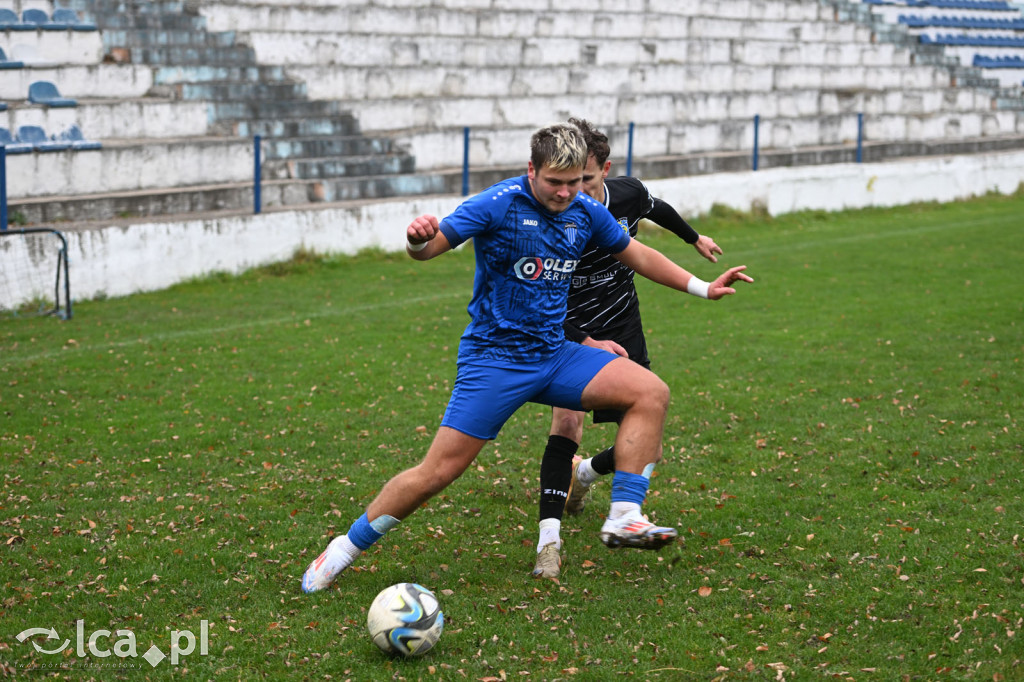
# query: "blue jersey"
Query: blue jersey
{"points": [[525, 258]]}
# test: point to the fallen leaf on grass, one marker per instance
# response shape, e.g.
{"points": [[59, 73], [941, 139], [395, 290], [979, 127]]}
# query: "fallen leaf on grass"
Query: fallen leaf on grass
{"points": [[704, 591]]}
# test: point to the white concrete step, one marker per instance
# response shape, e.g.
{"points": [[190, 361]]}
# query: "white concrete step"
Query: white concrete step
{"points": [[113, 119], [386, 51], [507, 23], [75, 81], [53, 47], [124, 165]]}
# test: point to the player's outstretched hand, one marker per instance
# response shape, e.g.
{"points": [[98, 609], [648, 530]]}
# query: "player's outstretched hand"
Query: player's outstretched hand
{"points": [[722, 285], [707, 247], [422, 229]]}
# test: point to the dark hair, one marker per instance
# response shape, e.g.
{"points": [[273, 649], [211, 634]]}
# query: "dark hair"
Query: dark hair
{"points": [[559, 146], [597, 142]]}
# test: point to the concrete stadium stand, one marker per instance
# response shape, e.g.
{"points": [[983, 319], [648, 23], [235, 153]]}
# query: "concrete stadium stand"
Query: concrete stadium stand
{"points": [[378, 107]]}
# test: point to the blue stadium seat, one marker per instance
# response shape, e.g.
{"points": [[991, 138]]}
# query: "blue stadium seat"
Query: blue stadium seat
{"points": [[915, 21], [9, 21], [46, 93], [38, 19], [77, 139], [991, 5], [69, 18], [36, 136], [986, 62], [12, 145], [973, 41], [8, 63]]}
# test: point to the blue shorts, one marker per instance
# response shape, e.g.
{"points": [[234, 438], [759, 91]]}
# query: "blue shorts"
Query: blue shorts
{"points": [[486, 395]]}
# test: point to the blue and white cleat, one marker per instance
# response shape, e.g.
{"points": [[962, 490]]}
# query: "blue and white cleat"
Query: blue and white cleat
{"points": [[326, 567]]}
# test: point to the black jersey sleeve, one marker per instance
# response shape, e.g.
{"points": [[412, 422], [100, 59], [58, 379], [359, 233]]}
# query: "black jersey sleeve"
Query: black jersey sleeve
{"points": [[666, 216]]}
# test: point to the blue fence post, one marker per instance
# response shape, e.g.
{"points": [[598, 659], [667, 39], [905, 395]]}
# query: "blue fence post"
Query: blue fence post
{"points": [[465, 161], [3, 187], [757, 133], [629, 150], [257, 200], [860, 137]]}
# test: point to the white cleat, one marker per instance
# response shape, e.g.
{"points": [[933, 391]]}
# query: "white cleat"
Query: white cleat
{"points": [[549, 562], [633, 531], [326, 567]]}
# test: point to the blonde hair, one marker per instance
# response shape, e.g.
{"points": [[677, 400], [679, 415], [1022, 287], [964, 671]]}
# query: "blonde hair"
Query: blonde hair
{"points": [[560, 146]]}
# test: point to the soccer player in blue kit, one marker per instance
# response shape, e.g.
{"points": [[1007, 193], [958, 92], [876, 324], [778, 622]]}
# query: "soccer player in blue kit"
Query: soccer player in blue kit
{"points": [[602, 304], [528, 235]]}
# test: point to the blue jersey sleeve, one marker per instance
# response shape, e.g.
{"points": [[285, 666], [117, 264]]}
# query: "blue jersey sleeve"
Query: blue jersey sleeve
{"points": [[478, 213]]}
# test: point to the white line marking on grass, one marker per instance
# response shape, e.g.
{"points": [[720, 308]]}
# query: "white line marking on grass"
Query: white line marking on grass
{"points": [[246, 324], [857, 237]]}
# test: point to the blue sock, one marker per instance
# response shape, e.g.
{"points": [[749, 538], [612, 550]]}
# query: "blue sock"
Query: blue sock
{"points": [[628, 487], [362, 534]]}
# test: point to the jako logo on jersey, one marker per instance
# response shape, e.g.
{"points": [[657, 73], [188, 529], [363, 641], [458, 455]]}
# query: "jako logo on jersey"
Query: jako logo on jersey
{"points": [[529, 221], [555, 269]]}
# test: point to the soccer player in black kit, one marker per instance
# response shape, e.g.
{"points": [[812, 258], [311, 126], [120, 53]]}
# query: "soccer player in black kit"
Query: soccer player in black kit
{"points": [[603, 307]]}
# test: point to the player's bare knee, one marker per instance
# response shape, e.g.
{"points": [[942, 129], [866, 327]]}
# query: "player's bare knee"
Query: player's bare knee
{"points": [[656, 394], [567, 424], [432, 479]]}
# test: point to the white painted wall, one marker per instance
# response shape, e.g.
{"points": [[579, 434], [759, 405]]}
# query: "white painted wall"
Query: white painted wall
{"points": [[118, 260], [842, 186]]}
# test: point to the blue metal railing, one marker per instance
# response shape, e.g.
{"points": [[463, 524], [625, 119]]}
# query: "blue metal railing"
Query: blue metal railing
{"points": [[860, 137], [257, 163], [465, 161], [3, 187], [257, 173], [629, 149], [757, 143]]}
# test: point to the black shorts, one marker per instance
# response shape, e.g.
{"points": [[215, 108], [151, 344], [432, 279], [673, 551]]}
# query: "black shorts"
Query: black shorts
{"points": [[636, 345]]}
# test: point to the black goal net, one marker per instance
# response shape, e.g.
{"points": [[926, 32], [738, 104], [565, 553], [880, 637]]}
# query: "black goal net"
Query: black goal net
{"points": [[34, 273]]}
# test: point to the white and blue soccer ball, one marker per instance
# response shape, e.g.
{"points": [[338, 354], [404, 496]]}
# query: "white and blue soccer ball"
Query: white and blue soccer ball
{"points": [[405, 620]]}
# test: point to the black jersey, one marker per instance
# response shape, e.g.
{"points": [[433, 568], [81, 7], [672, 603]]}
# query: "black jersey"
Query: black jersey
{"points": [[602, 298]]}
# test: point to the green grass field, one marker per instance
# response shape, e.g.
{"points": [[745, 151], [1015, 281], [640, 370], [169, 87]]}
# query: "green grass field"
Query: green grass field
{"points": [[843, 460]]}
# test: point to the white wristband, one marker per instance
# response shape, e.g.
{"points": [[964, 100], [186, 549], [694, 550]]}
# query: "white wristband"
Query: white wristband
{"points": [[697, 287], [415, 247]]}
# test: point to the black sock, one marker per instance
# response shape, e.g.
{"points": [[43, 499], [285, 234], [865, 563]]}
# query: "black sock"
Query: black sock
{"points": [[555, 476], [604, 462]]}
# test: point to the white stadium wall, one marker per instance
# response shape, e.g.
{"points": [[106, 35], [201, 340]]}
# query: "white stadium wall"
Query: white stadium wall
{"points": [[130, 258]]}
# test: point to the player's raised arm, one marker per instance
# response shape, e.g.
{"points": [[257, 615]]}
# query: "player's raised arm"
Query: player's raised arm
{"points": [[424, 238], [665, 216], [656, 267]]}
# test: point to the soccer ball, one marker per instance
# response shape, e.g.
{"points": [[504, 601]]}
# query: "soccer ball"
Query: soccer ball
{"points": [[405, 619]]}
